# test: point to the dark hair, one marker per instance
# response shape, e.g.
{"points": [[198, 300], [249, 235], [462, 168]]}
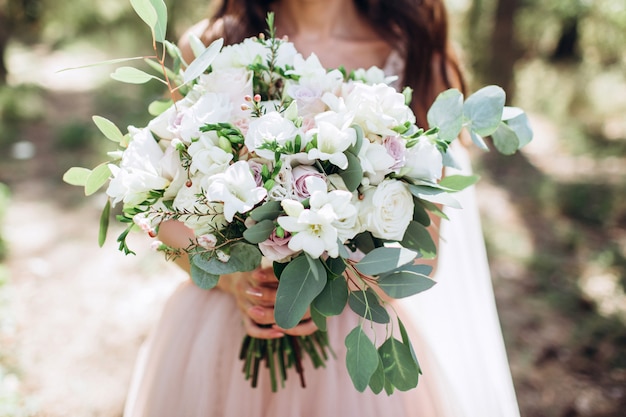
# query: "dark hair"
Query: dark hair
{"points": [[418, 29]]}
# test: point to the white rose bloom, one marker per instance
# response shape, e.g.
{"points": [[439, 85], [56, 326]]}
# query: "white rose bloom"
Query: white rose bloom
{"points": [[210, 108], [163, 124], [387, 209], [236, 83], [423, 161], [236, 188], [378, 108], [374, 75], [375, 161], [269, 128], [139, 171], [313, 82]]}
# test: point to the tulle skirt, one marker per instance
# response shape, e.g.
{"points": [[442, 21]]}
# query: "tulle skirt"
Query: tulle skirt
{"points": [[190, 367]]}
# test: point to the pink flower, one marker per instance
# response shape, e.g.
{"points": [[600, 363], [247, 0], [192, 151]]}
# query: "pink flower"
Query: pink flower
{"points": [[207, 241], [396, 149], [276, 248], [299, 175]]}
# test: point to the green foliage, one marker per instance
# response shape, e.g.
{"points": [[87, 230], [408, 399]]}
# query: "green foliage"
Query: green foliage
{"points": [[361, 358]]}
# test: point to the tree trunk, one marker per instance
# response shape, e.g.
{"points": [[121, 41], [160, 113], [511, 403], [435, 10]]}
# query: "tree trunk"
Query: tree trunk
{"points": [[504, 49]]}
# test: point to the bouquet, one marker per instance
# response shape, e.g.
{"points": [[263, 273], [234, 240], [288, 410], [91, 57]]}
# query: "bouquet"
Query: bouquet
{"points": [[266, 154]]}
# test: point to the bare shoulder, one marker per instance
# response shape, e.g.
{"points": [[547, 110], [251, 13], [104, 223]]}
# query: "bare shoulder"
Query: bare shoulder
{"points": [[206, 30]]}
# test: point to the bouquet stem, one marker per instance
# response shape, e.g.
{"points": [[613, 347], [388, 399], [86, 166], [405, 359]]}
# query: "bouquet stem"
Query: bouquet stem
{"points": [[283, 353]]}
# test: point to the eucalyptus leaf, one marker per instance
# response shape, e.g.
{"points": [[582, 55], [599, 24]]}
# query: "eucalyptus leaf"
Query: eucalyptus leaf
{"points": [[160, 26], [434, 196], [385, 259], [335, 266], [297, 288], [361, 358], [521, 126], [157, 107], [478, 140], [364, 242], [259, 232], [433, 209], [146, 11], [446, 113], [108, 129], [76, 176], [202, 278], [201, 63], [505, 140], [483, 109], [104, 223], [418, 238], [407, 342], [400, 367], [268, 211], [366, 304], [458, 182], [243, 257], [132, 75], [197, 46], [356, 148], [318, 318], [404, 284], [419, 214], [97, 178], [353, 174], [333, 298], [377, 381]]}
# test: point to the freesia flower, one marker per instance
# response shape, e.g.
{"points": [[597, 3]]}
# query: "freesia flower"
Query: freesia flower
{"points": [[236, 188]]}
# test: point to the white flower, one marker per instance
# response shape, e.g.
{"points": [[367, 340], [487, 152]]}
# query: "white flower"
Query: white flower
{"points": [[378, 108], [210, 108], [203, 218], [373, 75], [375, 161], [239, 55], [334, 137], [423, 161], [222, 256], [269, 128], [207, 241], [313, 82], [139, 171], [236, 188], [387, 209], [207, 157], [236, 83]]}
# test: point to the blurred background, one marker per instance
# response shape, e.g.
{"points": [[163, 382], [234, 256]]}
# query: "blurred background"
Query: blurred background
{"points": [[72, 315]]}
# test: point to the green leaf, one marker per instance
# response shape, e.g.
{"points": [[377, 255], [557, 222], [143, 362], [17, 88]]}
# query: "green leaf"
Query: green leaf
{"points": [[132, 75], [298, 286], [268, 211], [259, 232], [364, 242], [200, 64], [361, 358], [404, 284], [353, 174], [318, 318], [333, 298], [335, 266], [160, 26], [356, 148], [243, 257], [432, 208], [407, 342], [446, 113], [145, 10], [419, 213], [434, 195], [107, 62], [517, 120], [159, 106], [76, 176], [108, 129], [483, 109], [505, 140], [458, 182], [418, 238], [104, 223], [201, 277], [377, 381], [384, 259], [400, 367], [366, 305], [97, 178], [478, 141]]}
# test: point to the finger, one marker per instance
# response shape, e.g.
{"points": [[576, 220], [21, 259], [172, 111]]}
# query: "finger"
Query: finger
{"points": [[262, 296], [264, 276], [305, 328], [261, 315], [254, 330]]}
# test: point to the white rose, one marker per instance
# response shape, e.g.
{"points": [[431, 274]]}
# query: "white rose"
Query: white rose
{"points": [[387, 209], [239, 55], [423, 161], [208, 158], [375, 161], [236, 83], [269, 128], [210, 108]]}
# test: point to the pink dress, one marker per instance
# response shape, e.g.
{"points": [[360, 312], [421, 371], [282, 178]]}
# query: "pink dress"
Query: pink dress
{"points": [[190, 367]]}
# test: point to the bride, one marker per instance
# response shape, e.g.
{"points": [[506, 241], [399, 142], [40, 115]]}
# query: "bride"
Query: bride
{"points": [[190, 365]]}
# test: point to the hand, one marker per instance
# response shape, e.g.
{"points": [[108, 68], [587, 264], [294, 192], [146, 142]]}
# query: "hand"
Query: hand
{"points": [[255, 294]]}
